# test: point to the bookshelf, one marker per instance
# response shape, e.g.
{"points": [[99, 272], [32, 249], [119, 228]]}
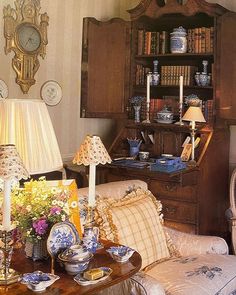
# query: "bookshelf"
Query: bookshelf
{"points": [[114, 67]]}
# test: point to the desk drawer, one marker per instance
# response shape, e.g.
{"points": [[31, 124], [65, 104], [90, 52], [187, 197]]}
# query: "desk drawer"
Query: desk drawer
{"points": [[179, 211], [173, 190]]}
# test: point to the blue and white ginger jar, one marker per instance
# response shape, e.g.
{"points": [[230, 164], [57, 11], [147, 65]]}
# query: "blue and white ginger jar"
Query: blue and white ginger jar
{"points": [[178, 40]]}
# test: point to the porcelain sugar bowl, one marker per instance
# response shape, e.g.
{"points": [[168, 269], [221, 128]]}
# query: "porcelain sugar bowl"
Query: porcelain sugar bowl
{"points": [[75, 259], [165, 116]]}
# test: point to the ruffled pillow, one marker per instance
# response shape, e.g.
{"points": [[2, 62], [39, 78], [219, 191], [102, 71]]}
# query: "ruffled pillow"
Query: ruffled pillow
{"points": [[134, 221]]}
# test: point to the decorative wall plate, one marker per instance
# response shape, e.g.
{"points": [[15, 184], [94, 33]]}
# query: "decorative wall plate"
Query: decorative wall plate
{"points": [[62, 236], [3, 90], [51, 93]]}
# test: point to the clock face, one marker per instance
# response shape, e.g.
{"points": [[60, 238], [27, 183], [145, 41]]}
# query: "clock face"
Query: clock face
{"points": [[28, 38]]}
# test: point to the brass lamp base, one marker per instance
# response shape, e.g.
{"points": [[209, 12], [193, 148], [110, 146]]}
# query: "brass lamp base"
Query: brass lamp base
{"points": [[10, 277], [192, 163], [7, 275]]}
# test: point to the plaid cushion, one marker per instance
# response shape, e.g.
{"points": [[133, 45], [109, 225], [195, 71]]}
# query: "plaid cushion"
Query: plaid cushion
{"points": [[134, 221]]}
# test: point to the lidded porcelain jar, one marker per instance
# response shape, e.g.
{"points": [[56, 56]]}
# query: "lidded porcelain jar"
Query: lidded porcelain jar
{"points": [[165, 116], [178, 40]]}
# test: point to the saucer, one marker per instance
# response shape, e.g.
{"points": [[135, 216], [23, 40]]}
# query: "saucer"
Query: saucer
{"points": [[84, 282]]}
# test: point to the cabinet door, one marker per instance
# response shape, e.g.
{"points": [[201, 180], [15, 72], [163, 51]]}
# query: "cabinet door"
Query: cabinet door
{"points": [[105, 68], [226, 66]]}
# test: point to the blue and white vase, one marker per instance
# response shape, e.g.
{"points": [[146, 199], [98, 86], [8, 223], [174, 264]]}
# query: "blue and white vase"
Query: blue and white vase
{"points": [[178, 40], [90, 239]]}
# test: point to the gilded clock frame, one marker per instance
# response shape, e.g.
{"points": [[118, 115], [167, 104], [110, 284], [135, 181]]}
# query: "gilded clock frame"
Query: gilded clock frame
{"points": [[25, 63]]}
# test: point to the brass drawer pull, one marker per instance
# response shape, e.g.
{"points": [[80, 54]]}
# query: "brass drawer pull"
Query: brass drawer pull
{"points": [[171, 210], [171, 187]]}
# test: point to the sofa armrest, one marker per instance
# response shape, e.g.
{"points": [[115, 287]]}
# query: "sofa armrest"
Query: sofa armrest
{"points": [[190, 244], [139, 284]]}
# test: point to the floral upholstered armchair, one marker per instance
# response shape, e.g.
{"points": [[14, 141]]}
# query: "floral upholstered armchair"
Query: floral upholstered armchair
{"points": [[231, 212], [173, 263]]}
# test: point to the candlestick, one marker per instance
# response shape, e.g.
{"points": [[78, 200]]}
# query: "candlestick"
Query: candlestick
{"points": [[181, 89], [6, 212], [149, 75], [180, 122], [148, 86], [92, 182]]}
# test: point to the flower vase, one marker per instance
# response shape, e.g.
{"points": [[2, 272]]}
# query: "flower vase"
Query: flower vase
{"points": [[36, 250], [90, 238], [137, 113]]}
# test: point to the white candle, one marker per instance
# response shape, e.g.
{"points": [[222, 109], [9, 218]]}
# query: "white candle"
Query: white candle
{"points": [[181, 89], [92, 183], [193, 140], [6, 206], [148, 87]]}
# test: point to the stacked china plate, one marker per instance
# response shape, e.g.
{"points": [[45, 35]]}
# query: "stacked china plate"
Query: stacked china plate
{"points": [[75, 259]]}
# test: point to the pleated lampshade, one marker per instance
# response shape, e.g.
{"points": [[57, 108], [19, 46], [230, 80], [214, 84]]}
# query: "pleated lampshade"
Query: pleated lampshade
{"points": [[26, 124]]}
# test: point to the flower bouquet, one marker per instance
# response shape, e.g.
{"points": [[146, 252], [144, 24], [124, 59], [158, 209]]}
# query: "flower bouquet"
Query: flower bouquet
{"points": [[36, 207]]}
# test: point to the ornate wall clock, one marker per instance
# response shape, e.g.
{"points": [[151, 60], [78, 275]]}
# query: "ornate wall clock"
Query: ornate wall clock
{"points": [[25, 31]]}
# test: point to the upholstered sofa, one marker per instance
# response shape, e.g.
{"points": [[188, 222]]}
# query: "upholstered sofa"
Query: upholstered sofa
{"points": [[174, 263]]}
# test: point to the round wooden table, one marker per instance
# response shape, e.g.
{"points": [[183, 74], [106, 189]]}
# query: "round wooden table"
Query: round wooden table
{"points": [[66, 285]]}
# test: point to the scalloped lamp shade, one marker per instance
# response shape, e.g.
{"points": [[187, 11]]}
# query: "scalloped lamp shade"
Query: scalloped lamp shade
{"points": [[92, 151], [11, 165], [27, 124]]}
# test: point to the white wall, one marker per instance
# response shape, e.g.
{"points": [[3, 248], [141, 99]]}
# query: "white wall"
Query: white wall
{"points": [[62, 64]]}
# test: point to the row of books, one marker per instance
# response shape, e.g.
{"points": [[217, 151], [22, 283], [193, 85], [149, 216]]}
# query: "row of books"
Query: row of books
{"points": [[170, 75], [141, 74], [153, 42], [199, 40]]}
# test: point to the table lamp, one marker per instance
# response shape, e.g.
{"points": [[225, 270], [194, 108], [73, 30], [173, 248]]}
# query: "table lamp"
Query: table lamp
{"points": [[27, 124], [91, 152], [11, 166], [193, 115]]}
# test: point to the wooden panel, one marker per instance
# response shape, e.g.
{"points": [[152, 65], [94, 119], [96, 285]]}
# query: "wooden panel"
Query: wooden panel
{"points": [[226, 66], [179, 211], [173, 190], [184, 227], [105, 68]]}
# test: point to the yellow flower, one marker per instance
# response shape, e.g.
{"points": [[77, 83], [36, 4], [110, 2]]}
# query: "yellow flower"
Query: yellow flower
{"points": [[73, 204]]}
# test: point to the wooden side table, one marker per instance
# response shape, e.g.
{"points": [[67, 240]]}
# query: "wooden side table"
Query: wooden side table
{"points": [[66, 285]]}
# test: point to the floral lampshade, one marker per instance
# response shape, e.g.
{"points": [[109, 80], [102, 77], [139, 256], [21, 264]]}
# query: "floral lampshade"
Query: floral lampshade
{"points": [[11, 165], [92, 151]]}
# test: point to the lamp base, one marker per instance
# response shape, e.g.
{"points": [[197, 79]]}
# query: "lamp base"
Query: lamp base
{"points": [[146, 121], [10, 277], [192, 163], [179, 123]]}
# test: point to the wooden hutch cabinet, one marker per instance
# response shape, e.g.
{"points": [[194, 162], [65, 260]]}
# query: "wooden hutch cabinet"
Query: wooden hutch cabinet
{"points": [[194, 199]]}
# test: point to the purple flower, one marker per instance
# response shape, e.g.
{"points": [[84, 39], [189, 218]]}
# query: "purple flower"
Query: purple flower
{"points": [[55, 210], [40, 226]]}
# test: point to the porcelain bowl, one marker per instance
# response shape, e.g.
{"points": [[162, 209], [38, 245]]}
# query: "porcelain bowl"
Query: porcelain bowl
{"points": [[38, 281], [120, 253], [75, 266]]}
